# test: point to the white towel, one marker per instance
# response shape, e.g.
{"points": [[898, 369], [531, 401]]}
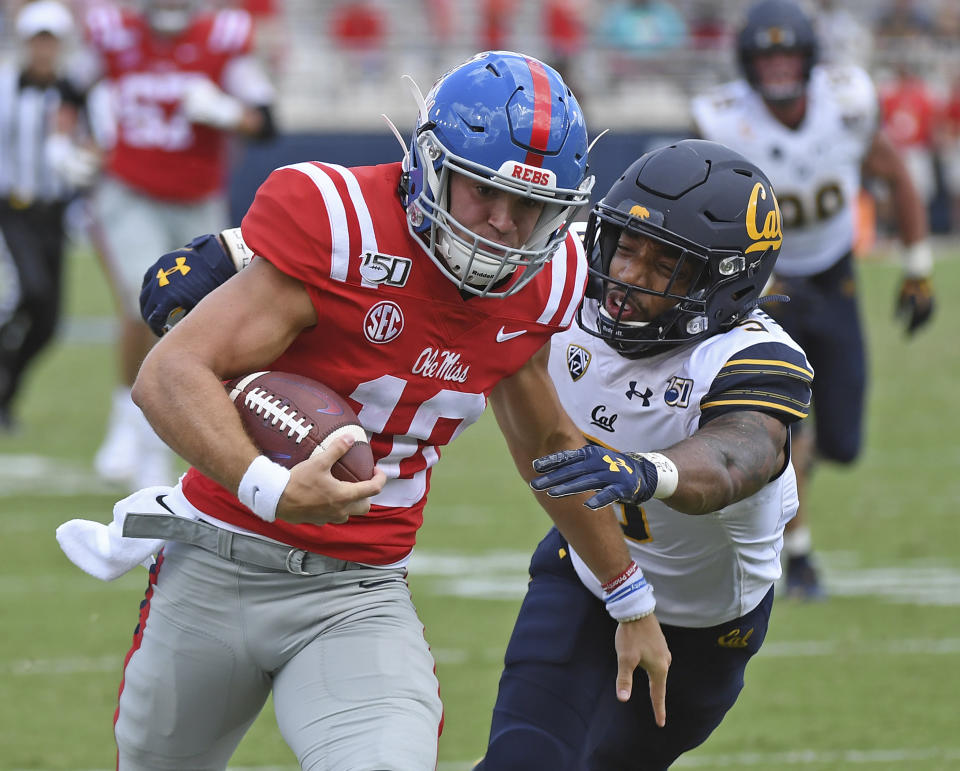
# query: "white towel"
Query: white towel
{"points": [[102, 550]]}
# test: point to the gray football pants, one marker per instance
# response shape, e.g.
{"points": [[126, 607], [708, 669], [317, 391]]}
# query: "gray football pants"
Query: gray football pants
{"points": [[343, 652]]}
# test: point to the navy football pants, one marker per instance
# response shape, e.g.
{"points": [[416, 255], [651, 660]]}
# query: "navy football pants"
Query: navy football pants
{"points": [[557, 708], [823, 317]]}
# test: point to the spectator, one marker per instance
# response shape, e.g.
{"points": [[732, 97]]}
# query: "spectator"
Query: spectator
{"points": [[359, 29], [903, 20], [843, 39], [566, 35], [33, 196], [495, 23], [637, 32]]}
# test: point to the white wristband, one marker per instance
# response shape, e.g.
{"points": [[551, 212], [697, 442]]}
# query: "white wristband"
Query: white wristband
{"points": [[918, 260], [667, 475], [236, 247], [632, 600], [261, 487]]}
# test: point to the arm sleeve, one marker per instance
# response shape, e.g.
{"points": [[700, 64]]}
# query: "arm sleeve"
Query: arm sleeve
{"points": [[770, 377]]}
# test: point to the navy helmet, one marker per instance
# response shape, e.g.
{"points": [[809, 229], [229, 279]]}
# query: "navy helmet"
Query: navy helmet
{"points": [[716, 212], [776, 25]]}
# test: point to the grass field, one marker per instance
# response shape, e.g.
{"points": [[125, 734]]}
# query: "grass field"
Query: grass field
{"points": [[868, 679]]}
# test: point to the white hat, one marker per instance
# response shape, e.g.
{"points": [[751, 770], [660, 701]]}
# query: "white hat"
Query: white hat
{"points": [[44, 16]]}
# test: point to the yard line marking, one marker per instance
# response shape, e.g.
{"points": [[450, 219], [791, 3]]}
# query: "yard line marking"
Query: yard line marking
{"points": [[73, 665], [818, 757], [945, 646], [44, 475], [502, 575]]}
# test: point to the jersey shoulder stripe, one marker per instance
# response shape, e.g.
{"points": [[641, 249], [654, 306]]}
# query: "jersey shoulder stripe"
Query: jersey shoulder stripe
{"points": [[230, 32], [568, 273], [336, 216], [771, 377], [368, 237], [107, 29]]}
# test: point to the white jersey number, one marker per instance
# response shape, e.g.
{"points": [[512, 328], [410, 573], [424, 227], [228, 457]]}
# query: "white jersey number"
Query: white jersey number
{"points": [[380, 398]]}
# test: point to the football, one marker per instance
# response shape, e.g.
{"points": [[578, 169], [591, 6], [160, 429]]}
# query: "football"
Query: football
{"points": [[290, 417]]}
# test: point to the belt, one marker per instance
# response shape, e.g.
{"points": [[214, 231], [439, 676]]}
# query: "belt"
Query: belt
{"points": [[235, 547]]}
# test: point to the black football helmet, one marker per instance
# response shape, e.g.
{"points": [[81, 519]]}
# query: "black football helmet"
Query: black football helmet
{"points": [[716, 210], [776, 25]]}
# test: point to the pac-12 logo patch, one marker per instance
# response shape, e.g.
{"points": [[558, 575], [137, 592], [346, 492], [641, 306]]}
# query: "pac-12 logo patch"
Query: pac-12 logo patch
{"points": [[578, 359], [383, 322]]}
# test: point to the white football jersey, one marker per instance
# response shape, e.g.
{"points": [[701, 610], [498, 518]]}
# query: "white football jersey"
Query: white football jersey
{"points": [[815, 168], [705, 569]]}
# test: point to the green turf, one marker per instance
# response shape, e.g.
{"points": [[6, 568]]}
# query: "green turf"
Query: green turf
{"points": [[867, 679]]}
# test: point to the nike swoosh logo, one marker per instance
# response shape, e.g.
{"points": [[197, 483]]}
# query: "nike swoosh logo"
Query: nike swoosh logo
{"points": [[503, 335]]}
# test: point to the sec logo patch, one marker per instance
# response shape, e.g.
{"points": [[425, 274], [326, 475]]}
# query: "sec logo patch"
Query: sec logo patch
{"points": [[383, 322]]}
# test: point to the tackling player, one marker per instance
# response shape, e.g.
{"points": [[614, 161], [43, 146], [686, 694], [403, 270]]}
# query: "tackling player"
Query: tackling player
{"points": [[418, 291], [814, 130], [686, 392], [176, 82]]}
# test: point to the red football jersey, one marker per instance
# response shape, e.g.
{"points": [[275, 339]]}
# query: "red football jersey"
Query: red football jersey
{"points": [[157, 149], [395, 337]]}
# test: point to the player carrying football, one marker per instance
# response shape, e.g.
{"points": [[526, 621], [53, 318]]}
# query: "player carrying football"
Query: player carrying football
{"points": [[458, 254]]}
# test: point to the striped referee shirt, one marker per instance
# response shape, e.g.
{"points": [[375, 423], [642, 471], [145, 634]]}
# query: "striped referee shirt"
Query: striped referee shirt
{"points": [[27, 115]]}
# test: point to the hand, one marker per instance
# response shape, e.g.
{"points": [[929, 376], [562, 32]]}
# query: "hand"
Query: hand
{"points": [[914, 303], [205, 102], [175, 283], [77, 165], [618, 476], [641, 644], [314, 495]]}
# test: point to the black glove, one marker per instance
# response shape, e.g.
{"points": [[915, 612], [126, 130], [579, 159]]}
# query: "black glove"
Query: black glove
{"points": [[619, 476], [176, 282], [914, 303]]}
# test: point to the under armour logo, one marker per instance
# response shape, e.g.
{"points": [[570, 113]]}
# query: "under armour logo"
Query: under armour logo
{"points": [[180, 267], [634, 392], [617, 463]]}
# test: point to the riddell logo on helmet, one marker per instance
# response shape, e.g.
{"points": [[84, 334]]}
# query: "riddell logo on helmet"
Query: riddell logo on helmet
{"points": [[525, 173]]}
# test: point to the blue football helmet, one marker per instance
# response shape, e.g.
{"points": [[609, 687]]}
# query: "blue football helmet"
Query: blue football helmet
{"points": [[509, 121], [716, 212]]}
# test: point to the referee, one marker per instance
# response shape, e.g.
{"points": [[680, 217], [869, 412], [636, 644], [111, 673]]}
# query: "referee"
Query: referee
{"points": [[33, 196]]}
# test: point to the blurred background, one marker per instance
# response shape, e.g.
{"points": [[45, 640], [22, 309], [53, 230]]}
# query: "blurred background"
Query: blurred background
{"points": [[634, 64]]}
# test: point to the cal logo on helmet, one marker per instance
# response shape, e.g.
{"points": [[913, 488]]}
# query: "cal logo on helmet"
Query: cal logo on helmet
{"points": [[768, 234]]}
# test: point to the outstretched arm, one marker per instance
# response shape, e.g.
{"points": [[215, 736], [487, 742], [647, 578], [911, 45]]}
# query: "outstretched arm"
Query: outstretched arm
{"points": [[727, 460], [534, 423]]}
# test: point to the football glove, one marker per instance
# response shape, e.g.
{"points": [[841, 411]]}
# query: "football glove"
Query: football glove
{"points": [[914, 304], [617, 476], [205, 102], [76, 165], [180, 279]]}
